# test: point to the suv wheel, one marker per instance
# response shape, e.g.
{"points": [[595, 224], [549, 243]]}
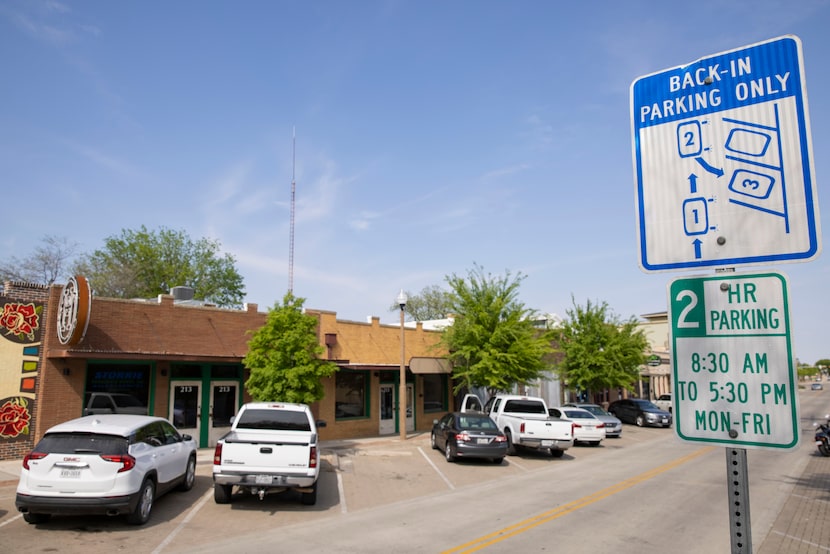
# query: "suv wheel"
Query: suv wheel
{"points": [[189, 475], [141, 514]]}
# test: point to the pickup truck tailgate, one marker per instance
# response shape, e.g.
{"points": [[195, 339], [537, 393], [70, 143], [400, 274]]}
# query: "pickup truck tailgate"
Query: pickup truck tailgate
{"points": [[266, 452]]}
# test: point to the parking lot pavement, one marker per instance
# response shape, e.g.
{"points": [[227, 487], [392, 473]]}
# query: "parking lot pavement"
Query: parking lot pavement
{"points": [[371, 472]]}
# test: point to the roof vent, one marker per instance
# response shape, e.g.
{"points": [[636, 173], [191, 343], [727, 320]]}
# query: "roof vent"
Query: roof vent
{"points": [[182, 293]]}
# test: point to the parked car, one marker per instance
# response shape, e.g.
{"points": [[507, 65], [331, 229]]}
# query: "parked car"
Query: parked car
{"points": [[587, 427], [640, 412], [108, 464], [613, 426], [816, 386], [468, 435]]}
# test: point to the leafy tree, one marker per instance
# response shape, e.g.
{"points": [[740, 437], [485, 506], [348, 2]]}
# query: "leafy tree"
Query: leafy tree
{"points": [[600, 350], [492, 343], [284, 356], [432, 302], [144, 264], [823, 363], [45, 265]]}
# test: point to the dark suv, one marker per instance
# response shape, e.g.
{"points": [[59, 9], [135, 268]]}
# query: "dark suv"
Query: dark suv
{"points": [[640, 412]]}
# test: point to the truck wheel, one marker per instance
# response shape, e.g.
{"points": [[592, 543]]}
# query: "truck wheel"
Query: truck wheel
{"points": [[511, 448], [448, 453], [556, 453], [640, 421], [310, 498], [141, 514], [222, 493]]}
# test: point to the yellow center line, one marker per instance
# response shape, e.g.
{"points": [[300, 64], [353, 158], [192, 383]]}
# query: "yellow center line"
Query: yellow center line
{"points": [[550, 515]]}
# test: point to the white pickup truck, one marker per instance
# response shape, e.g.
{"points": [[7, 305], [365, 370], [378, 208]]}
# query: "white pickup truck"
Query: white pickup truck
{"points": [[271, 447], [664, 402], [525, 421]]}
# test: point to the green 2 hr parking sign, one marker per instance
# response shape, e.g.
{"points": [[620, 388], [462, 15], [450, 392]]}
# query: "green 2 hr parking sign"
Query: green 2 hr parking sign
{"points": [[733, 368]]}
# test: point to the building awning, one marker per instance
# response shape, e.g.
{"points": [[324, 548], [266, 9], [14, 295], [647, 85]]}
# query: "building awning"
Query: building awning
{"points": [[422, 366]]}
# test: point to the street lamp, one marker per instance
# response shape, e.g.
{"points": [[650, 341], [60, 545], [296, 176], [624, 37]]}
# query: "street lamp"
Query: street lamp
{"points": [[401, 300]]}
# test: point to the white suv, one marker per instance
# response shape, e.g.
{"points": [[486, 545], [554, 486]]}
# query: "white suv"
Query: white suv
{"points": [[109, 464]]}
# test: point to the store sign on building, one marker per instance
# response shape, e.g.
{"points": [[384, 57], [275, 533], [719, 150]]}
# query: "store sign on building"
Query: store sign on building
{"points": [[73, 310]]}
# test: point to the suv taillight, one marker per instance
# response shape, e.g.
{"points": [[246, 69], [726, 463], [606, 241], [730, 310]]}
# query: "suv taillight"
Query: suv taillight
{"points": [[127, 462], [32, 456], [217, 454]]}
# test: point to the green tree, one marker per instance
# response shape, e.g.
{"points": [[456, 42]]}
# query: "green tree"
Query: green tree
{"points": [[432, 302], [48, 263], [492, 342], [284, 356], [600, 350], [144, 264]]}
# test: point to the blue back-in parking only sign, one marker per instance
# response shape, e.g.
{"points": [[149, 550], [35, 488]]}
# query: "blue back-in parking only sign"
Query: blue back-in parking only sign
{"points": [[723, 161]]}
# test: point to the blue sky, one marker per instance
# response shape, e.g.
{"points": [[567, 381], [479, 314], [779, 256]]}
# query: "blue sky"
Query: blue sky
{"points": [[430, 136]]}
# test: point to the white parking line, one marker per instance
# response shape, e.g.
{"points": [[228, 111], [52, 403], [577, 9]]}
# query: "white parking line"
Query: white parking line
{"points": [[15, 518], [435, 467], [184, 522], [341, 493], [513, 462]]}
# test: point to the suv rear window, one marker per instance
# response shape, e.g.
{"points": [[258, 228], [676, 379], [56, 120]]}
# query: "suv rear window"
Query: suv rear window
{"points": [[82, 443]]}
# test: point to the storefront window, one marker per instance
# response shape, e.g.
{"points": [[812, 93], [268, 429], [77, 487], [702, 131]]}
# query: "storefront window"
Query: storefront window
{"points": [[433, 393], [127, 388], [350, 396]]}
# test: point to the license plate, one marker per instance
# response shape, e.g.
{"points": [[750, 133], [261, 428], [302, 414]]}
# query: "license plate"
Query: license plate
{"points": [[482, 441], [547, 443], [263, 479], [70, 473]]}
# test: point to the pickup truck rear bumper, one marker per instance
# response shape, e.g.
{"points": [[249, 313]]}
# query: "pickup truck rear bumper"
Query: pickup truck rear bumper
{"points": [[264, 480], [555, 444]]}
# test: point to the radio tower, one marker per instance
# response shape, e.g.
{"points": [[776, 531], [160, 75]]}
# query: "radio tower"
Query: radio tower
{"points": [[291, 223]]}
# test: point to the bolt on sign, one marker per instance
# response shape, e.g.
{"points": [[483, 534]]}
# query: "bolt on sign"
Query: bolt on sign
{"points": [[734, 374]]}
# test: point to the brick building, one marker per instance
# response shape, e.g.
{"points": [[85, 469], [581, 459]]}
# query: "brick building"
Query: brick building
{"points": [[180, 360]]}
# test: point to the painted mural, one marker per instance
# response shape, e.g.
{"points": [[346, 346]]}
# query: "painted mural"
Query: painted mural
{"points": [[20, 342]]}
